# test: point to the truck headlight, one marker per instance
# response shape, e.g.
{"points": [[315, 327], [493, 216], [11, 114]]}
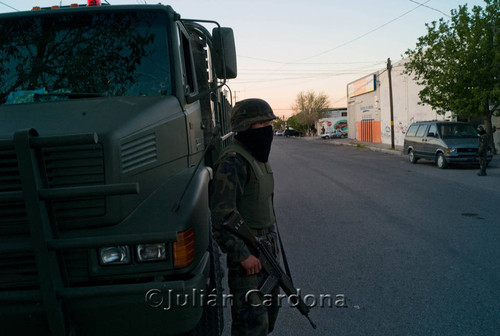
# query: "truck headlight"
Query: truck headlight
{"points": [[151, 252], [114, 255], [451, 150]]}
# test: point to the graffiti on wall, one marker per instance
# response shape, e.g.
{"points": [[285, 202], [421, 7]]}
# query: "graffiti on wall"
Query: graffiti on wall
{"points": [[400, 129], [330, 125]]}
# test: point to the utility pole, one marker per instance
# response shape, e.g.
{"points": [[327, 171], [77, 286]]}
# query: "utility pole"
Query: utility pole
{"points": [[389, 68]]}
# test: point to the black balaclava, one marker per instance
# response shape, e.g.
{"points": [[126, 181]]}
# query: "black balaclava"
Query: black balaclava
{"points": [[258, 141]]}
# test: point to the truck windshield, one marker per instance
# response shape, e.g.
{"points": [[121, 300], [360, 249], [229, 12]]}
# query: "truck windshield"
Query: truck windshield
{"points": [[457, 131], [88, 54]]}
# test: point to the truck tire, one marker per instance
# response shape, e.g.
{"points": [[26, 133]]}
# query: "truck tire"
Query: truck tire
{"points": [[411, 157], [212, 320], [441, 161]]}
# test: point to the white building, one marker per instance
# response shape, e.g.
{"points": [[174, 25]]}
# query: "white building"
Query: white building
{"points": [[368, 106], [335, 119]]}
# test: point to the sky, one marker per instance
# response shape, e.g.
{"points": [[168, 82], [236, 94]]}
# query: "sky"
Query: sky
{"points": [[285, 47]]}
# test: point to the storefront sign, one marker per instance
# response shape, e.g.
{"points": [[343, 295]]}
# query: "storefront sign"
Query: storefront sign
{"points": [[361, 86]]}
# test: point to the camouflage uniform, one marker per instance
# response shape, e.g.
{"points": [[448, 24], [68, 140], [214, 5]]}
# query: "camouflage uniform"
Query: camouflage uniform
{"points": [[482, 150], [237, 187]]}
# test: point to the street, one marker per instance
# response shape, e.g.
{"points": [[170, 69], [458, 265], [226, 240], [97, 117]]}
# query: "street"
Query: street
{"points": [[383, 247]]}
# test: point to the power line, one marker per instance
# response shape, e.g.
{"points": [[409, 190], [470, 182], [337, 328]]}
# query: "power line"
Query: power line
{"points": [[294, 72], [284, 64], [299, 61], [362, 35], [309, 63], [3, 3], [434, 9], [302, 77]]}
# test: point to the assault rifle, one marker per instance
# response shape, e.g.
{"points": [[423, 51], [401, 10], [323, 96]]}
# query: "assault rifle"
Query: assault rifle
{"points": [[236, 225]]}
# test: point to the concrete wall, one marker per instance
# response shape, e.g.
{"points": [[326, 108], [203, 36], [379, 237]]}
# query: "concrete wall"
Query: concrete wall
{"points": [[406, 104], [362, 108], [376, 105], [335, 119], [496, 136]]}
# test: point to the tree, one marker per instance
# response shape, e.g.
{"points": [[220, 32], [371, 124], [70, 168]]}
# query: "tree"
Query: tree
{"points": [[309, 107], [295, 124], [458, 63], [278, 123]]}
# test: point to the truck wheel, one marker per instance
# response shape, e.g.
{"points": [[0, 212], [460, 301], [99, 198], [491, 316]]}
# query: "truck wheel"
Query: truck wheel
{"points": [[411, 157], [212, 320], [441, 161]]}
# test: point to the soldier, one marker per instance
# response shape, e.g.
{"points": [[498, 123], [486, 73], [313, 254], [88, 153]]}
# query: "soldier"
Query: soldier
{"points": [[482, 150], [243, 185]]}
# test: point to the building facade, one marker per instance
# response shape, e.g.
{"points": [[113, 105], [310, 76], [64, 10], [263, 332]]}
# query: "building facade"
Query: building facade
{"points": [[335, 119], [368, 106]]}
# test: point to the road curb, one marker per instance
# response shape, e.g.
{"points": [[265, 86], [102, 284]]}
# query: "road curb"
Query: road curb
{"points": [[396, 151], [353, 143]]}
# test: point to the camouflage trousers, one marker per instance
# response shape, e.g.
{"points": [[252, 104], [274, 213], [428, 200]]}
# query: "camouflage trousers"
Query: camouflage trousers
{"points": [[482, 163], [253, 314]]}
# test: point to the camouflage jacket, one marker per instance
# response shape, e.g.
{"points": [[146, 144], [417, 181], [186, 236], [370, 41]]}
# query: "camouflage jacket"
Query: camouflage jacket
{"points": [[227, 187], [242, 186], [483, 144]]}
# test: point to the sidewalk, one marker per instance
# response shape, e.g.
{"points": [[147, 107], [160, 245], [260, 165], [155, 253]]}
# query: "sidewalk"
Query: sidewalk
{"points": [[378, 147]]}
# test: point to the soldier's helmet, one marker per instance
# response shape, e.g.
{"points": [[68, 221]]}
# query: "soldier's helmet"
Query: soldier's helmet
{"points": [[480, 128], [250, 111]]}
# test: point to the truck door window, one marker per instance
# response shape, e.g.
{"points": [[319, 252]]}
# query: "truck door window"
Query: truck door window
{"points": [[112, 54], [458, 131], [421, 130], [412, 130], [188, 66], [432, 132]]}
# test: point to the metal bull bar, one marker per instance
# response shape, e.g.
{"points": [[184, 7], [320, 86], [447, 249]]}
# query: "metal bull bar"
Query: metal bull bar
{"points": [[43, 241]]}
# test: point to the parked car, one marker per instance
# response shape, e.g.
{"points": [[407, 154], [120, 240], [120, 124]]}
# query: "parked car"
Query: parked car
{"points": [[444, 142], [292, 132], [279, 132], [334, 134], [327, 135]]}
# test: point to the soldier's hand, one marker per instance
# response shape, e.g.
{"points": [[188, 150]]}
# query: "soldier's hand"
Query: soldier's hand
{"points": [[251, 265]]}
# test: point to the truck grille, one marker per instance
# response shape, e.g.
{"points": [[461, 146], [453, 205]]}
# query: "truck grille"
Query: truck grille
{"points": [[12, 214], [9, 173], [63, 167], [18, 270], [68, 166], [77, 266], [75, 167], [467, 150]]}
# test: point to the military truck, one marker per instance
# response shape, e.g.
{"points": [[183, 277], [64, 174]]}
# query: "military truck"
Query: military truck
{"points": [[110, 119]]}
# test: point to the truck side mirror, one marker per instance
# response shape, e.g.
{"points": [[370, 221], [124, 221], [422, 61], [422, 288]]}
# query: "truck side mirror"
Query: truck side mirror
{"points": [[225, 52]]}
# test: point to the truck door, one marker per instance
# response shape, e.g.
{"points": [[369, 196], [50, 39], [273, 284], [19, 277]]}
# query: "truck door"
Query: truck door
{"points": [[431, 142], [420, 140]]}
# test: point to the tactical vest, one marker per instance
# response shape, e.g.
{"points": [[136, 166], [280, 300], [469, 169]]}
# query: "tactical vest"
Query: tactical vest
{"points": [[256, 203]]}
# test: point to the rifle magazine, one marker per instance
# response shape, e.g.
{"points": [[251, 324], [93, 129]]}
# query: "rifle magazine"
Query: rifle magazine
{"points": [[269, 284]]}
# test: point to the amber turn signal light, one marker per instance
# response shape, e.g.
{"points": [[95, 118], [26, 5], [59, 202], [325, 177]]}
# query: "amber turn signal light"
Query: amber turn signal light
{"points": [[184, 249]]}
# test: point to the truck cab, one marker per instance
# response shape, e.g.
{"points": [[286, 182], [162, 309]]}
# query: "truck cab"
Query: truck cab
{"points": [[110, 120]]}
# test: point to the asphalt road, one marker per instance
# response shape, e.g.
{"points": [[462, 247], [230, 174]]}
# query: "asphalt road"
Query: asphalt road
{"points": [[400, 249]]}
